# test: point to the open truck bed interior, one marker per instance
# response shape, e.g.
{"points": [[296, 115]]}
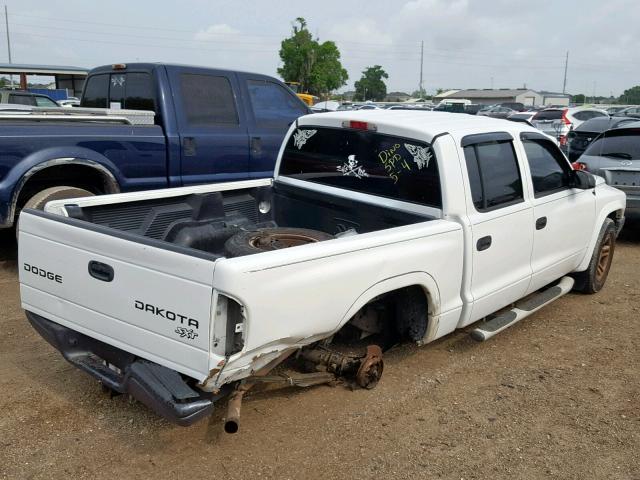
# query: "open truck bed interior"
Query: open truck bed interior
{"points": [[204, 221]]}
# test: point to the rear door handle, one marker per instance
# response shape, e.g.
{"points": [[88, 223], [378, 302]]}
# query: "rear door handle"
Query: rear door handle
{"points": [[483, 243], [541, 223]]}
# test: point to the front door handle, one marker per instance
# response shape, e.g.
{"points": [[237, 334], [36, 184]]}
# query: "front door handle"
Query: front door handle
{"points": [[189, 146], [541, 223], [483, 243]]}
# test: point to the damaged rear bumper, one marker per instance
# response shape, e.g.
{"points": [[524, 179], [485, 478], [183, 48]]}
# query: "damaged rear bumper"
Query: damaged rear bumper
{"points": [[161, 389]]}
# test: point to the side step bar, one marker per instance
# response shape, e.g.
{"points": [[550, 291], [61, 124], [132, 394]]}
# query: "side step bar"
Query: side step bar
{"points": [[521, 310]]}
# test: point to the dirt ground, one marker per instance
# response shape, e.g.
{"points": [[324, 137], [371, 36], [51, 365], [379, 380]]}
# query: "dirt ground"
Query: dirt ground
{"points": [[556, 396]]}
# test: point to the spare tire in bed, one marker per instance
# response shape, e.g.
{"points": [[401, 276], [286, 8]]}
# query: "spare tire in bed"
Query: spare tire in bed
{"points": [[267, 239]]}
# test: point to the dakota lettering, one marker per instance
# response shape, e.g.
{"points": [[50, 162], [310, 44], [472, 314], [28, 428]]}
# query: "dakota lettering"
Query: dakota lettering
{"points": [[166, 314]]}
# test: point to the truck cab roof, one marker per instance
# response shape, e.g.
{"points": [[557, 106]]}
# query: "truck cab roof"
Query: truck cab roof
{"points": [[149, 66], [419, 124]]}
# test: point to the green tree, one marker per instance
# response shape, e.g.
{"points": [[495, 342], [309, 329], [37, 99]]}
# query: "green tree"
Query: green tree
{"points": [[371, 85], [580, 98], [631, 96], [315, 66]]}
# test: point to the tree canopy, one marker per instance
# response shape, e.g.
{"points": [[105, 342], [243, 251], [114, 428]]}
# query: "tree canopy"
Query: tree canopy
{"points": [[579, 98], [631, 96], [371, 85], [315, 66]]}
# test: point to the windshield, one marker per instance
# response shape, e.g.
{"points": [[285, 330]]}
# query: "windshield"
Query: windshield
{"points": [[623, 144], [364, 161]]}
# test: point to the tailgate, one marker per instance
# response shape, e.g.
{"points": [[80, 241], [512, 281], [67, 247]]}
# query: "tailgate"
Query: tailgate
{"points": [[625, 179], [157, 305]]}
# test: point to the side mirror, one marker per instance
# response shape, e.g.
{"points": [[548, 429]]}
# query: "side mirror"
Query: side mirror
{"points": [[571, 135], [583, 180]]}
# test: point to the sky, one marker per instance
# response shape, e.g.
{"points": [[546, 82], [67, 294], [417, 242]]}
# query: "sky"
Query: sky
{"points": [[467, 43]]}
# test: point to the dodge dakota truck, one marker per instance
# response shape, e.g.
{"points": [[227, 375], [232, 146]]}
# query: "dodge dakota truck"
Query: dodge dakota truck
{"points": [[209, 126], [378, 227]]}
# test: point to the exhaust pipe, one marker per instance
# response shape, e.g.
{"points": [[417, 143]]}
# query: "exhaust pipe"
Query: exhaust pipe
{"points": [[232, 421]]}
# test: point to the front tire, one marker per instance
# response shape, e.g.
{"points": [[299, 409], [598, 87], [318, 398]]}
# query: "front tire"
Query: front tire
{"points": [[594, 277]]}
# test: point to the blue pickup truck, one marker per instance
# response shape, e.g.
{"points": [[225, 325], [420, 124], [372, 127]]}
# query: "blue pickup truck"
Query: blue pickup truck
{"points": [[209, 125]]}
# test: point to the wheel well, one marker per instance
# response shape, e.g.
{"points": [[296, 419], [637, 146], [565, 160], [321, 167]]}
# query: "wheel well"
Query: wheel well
{"points": [[398, 315], [72, 175], [616, 216]]}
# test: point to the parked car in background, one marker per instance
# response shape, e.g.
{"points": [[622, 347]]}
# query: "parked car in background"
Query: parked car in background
{"points": [[517, 106], [557, 122], [401, 107], [580, 137], [629, 112], [210, 125], [21, 97], [522, 117], [346, 106], [70, 102], [450, 107], [496, 112], [615, 156], [613, 111], [473, 108]]}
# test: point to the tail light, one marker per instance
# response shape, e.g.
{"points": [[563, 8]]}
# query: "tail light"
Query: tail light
{"points": [[565, 120], [579, 166]]}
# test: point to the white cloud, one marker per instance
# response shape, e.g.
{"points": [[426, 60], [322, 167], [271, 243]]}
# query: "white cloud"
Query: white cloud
{"points": [[215, 32]]}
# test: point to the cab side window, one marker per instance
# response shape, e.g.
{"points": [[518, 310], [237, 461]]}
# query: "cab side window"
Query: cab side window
{"points": [[550, 171], [494, 175]]}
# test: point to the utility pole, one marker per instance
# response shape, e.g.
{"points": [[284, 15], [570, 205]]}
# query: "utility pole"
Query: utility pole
{"points": [[421, 65], [564, 83], [6, 23]]}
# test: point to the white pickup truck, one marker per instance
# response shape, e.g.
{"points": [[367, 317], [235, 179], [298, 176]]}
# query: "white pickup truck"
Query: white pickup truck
{"points": [[378, 227]]}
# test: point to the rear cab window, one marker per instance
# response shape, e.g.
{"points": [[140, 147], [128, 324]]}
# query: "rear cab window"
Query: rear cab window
{"points": [[364, 161], [120, 90], [96, 91]]}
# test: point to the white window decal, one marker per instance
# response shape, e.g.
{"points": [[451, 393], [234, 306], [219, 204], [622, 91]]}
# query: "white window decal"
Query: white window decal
{"points": [[117, 80], [300, 137], [352, 169], [421, 155]]}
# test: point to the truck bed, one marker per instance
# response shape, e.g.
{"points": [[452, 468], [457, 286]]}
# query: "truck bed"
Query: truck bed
{"points": [[204, 221]]}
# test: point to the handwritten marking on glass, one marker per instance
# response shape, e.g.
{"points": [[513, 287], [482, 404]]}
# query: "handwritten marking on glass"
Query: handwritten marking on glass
{"points": [[393, 162], [351, 168], [421, 155], [300, 137]]}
